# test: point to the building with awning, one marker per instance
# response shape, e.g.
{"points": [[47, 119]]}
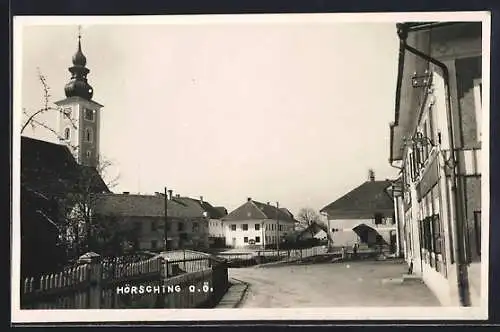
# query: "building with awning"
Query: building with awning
{"points": [[364, 215]]}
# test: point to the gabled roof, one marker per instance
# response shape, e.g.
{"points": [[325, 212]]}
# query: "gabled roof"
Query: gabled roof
{"points": [[364, 201], [212, 212], [222, 211], [51, 169], [132, 205], [256, 210], [287, 212]]}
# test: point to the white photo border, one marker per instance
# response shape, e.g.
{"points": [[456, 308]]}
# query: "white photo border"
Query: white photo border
{"points": [[313, 314]]}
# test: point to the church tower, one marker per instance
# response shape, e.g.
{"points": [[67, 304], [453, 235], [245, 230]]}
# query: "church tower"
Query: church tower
{"points": [[79, 121]]}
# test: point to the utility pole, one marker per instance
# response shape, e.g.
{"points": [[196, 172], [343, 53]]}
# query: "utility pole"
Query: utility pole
{"points": [[166, 217], [328, 231], [278, 226]]}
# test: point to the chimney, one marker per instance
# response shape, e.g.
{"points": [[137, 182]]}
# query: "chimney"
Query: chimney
{"points": [[178, 195], [268, 203], [170, 193], [249, 199], [371, 175], [201, 199], [126, 192]]}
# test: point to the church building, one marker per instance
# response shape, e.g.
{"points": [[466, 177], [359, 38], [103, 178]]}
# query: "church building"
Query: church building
{"points": [[79, 123]]}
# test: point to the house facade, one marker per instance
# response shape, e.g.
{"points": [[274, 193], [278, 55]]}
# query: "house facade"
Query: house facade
{"points": [[256, 224], [142, 218], [365, 215], [216, 233], [436, 143], [213, 216]]}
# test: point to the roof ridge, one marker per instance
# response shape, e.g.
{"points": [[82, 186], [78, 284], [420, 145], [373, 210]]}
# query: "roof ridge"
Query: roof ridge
{"points": [[258, 208]]}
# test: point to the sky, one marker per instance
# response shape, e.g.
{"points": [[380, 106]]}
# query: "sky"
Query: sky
{"points": [[288, 112]]}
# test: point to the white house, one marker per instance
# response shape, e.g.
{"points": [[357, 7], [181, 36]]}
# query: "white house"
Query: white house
{"points": [[256, 224]]}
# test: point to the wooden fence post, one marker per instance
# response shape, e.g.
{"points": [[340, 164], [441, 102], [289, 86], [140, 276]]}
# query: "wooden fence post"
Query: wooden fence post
{"points": [[92, 260]]}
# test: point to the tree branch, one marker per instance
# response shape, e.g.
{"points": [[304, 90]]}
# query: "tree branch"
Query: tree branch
{"points": [[46, 107]]}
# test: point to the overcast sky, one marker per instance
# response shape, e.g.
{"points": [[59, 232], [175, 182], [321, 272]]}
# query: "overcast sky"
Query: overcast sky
{"points": [[288, 112]]}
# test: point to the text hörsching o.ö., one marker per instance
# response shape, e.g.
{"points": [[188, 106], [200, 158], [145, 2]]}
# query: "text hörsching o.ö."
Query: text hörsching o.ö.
{"points": [[162, 289]]}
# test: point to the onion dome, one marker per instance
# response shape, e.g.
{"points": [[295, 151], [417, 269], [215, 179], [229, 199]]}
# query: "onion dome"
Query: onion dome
{"points": [[79, 59], [78, 85]]}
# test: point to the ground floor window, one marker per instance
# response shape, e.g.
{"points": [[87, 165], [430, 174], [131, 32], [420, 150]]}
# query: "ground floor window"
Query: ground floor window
{"points": [[477, 229], [437, 239], [426, 231], [474, 238]]}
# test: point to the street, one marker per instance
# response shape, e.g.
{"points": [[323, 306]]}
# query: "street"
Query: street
{"points": [[331, 284]]}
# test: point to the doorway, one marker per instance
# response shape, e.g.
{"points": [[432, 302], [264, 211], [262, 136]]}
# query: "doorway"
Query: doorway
{"points": [[393, 241]]}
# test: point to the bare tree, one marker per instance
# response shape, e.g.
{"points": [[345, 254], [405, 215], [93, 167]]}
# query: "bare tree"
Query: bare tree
{"points": [[307, 217], [33, 117], [82, 230]]}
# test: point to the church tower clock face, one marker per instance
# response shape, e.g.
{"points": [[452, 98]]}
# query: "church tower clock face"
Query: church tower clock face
{"points": [[79, 121]]}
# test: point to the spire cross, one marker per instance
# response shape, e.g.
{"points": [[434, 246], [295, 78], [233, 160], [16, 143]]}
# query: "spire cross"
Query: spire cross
{"points": [[79, 32]]}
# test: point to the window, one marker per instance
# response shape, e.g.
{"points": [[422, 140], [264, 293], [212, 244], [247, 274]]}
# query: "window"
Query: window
{"points": [[245, 239], [137, 227], [436, 232], [233, 227], [67, 133], [195, 227], [153, 226], [257, 227], [89, 114], [154, 244], [477, 229], [89, 136], [168, 226], [478, 91], [426, 234], [89, 154], [180, 226], [378, 218], [425, 147], [257, 239], [67, 111], [245, 227]]}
